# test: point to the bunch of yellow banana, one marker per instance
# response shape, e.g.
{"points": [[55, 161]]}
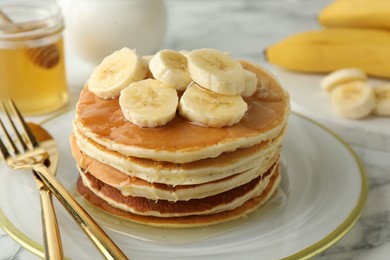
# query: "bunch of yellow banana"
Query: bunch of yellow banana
{"points": [[353, 37], [356, 13], [331, 49]]}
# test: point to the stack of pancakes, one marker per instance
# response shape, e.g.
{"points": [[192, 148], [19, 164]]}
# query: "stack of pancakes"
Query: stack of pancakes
{"points": [[181, 174]]}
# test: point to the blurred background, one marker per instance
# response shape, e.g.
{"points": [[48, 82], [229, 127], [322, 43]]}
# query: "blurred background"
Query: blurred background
{"points": [[244, 28]]}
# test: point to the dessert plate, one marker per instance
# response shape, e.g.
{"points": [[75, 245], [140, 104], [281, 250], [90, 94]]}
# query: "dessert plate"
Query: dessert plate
{"points": [[309, 99], [322, 194]]}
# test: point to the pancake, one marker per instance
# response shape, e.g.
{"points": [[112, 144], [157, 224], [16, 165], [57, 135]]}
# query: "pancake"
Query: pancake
{"points": [[201, 171], [188, 221], [181, 141], [224, 201], [181, 174], [133, 186]]}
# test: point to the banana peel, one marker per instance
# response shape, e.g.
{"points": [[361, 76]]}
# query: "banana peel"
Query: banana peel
{"points": [[327, 50], [356, 13]]}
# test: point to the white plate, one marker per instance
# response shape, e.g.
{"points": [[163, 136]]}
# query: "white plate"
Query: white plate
{"points": [[309, 99], [322, 195]]}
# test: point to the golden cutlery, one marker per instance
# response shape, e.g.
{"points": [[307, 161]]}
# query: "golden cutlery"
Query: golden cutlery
{"points": [[49, 219], [51, 233], [34, 158]]}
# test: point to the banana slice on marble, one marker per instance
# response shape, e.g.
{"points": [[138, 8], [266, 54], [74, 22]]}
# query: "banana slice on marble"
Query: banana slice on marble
{"points": [[148, 103], [342, 76], [353, 100], [382, 94], [251, 81], [216, 71], [170, 67], [116, 72], [208, 108]]}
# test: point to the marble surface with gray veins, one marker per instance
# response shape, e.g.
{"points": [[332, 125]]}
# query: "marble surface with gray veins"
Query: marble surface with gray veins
{"points": [[244, 28]]}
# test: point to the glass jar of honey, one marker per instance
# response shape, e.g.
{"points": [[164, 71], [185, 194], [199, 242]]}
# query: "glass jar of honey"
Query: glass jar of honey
{"points": [[32, 70]]}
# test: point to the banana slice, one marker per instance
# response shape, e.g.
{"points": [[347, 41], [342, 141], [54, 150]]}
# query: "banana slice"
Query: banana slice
{"points": [[185, 53], [211, 109], [116, 72], [170, 67], [250, 83], [147, 58], [353, 100], [342, 76], [382, 94], [148, 103], [216, 71]]}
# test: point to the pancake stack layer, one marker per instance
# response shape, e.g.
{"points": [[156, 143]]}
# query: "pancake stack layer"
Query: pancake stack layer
{"points": [[181, 174]]}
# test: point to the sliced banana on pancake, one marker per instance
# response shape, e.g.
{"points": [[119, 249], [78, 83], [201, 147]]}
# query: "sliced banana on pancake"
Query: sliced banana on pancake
{"points": [[116, 72], [211, 109], [382, 94], [185, 53], [353, 100], [147, 58], [216, 71], [250, 84], [148, 103], [170, 67]]}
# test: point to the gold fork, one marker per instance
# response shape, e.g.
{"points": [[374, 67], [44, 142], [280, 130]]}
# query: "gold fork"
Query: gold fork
{"points": [[34, 158], [51, 233]]}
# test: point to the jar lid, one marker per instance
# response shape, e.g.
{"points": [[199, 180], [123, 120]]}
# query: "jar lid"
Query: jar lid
{"points": [[33, 24]]}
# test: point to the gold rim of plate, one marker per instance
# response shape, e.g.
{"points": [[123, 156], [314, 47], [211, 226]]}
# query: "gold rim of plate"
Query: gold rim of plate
{"points": [[307, 253]]}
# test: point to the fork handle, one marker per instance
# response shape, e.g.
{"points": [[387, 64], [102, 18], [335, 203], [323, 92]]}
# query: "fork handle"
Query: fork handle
{"points": [[51, 233], [106, 246]]}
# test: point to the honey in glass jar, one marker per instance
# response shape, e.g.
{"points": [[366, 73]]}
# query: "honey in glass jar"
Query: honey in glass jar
{"points": [[32, 70]]}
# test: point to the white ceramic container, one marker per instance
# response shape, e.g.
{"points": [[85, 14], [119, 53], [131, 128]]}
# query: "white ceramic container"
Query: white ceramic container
{"points": [[96, 28]]}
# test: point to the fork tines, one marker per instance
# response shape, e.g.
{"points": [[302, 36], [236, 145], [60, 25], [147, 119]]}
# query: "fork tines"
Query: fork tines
{"points": [[26, 139]]}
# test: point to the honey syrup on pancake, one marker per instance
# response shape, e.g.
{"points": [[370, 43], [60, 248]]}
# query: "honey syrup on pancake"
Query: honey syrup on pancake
{"points": [[104, 118], [267, 109]]}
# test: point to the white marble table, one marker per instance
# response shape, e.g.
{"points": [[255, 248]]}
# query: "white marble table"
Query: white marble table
{"points": [[244, 28]]}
